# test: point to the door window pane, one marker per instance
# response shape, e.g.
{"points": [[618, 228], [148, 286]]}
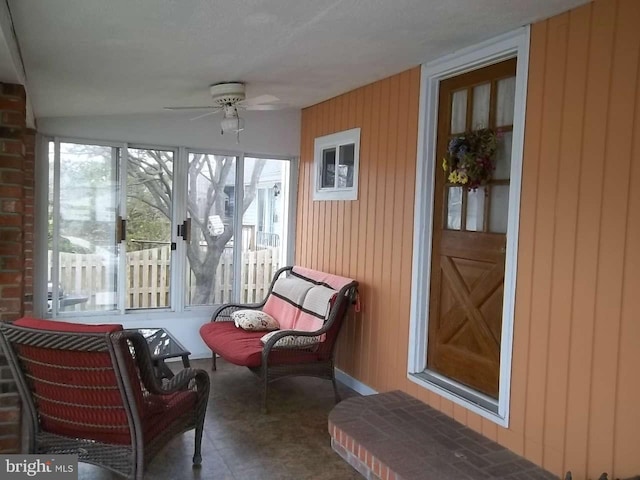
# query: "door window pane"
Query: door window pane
{"points": [[149, 200], [475, 209], [459, 112], [454, 208], [506, 101], [503, 157], [210, 204], [481, 106], [499, 207], [264, 224], [87, 253]]}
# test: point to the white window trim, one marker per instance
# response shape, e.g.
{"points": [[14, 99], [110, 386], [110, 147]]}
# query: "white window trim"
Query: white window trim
{"points": [[335, 140], [509, 45]]}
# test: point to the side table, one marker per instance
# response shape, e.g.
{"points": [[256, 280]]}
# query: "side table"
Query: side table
{"points": [[163, 345]]}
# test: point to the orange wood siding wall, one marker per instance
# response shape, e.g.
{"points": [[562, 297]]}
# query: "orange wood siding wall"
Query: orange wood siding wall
{"points": [[575, 394]]}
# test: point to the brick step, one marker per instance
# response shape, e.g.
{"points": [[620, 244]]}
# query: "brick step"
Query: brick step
{"points": [[393, 436]]}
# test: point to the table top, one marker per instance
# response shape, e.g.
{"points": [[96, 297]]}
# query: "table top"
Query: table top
{"points": [[162, 344]]}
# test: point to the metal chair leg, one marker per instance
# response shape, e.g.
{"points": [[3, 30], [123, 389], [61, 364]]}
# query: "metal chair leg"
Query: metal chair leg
{"points": [[197, 455], [213, 361]]}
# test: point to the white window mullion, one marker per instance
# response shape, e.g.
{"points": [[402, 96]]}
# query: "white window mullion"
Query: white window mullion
{"points": [[55, 254], [237, 225], [179, 214], [121, 174]]}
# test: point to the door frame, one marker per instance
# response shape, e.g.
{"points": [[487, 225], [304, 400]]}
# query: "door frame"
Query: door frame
{"points": [[509, 45]]}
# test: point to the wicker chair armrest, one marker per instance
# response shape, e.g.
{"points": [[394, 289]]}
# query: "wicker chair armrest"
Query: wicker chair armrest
{"points": [[223, 313], [184, 380]]}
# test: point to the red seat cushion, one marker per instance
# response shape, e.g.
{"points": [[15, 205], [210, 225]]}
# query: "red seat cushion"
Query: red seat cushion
{"points": [[243, 347]]}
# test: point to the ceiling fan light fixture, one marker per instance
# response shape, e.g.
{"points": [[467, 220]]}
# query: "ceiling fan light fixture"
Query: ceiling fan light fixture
{"points": [[232, 124]]}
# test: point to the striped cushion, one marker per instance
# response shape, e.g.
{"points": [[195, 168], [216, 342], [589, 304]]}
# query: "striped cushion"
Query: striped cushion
{"points": [[302, 300]]}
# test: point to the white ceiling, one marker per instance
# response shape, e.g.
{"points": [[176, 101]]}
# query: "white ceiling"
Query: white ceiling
{"points": [[101, 57]]}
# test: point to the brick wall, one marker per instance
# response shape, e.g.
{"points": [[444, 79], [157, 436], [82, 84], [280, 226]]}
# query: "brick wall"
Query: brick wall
{"points": [[17, 160]]}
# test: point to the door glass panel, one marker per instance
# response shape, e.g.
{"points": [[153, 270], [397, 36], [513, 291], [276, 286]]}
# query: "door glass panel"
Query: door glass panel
{"points": [[328, 168], [454, 208], [475, 209], [503, 157], [498, 209], [149, 200], [459, 112], [505, 101], [481, 106], [264, 224], [346, 166], [210, 205], [87, 254]]}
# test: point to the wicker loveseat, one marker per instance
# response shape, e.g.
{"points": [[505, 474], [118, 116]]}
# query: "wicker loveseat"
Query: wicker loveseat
{"points": [[91, 390], [309, 305]]}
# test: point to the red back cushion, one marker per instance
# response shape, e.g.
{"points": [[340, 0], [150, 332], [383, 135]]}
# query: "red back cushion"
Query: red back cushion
{"points": [[76, 393]]}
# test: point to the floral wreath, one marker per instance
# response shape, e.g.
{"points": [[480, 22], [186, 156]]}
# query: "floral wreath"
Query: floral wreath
{"points": [[470, 158]]}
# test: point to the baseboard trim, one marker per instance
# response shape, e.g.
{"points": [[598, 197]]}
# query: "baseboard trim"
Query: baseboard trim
{"points": [[354, 384]]}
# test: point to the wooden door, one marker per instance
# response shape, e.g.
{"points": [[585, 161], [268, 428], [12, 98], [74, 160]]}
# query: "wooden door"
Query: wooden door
{"points": [[469, 235]]}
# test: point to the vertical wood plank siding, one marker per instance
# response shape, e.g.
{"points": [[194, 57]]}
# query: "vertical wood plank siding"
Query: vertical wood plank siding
{"points": [[575, 391]]}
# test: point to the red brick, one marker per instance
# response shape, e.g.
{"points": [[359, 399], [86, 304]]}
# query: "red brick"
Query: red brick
{"points": [[13, 118], [384, 472], [11, 220], [9, 278], [13, 90], [9, 399], [7, 248], [11, 161], [11, 192], [10, 235], [11, 292], [12, 206], [10, 304], [11, 263], [9, 316], [13, 104], [11, 146], [8, 415], [9, 442], [12, 177], [9, 429]]}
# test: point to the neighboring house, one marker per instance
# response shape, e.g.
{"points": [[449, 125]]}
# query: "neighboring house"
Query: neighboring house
{"points": [[559, 382]]}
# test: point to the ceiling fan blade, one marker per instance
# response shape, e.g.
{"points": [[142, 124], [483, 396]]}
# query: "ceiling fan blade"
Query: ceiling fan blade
{"points": [[201, 107], [259, 99], [205, 114], [264, 107]]}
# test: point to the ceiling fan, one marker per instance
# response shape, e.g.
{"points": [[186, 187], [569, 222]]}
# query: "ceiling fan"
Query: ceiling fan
{"points": [[229, 97]]}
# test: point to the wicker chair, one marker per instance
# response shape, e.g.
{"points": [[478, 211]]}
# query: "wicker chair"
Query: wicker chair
{"points": [[90, 390], [269, 361]]}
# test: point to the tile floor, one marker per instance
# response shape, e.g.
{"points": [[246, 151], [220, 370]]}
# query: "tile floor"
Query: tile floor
{"points": [[241, 443]]}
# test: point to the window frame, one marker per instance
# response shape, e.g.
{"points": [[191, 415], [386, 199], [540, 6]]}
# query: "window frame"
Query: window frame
{"points": [[133, 317], [326, 142]]}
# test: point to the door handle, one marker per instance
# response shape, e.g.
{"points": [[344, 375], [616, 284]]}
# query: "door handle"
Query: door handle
{"points": [[121, 229], [184, 230]]}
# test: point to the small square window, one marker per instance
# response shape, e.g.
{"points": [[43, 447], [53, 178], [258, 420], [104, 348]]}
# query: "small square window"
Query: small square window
{"points": [[336, 159]]}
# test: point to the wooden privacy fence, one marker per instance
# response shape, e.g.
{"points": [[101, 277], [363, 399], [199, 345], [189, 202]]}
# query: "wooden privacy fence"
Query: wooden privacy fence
{"points": [[148, 278]]}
